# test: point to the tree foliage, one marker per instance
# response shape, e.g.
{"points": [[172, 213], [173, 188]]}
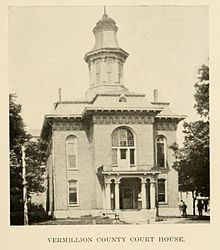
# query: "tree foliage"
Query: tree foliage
{"points": [[192, 160], [34, 158], [202, 92], [18, 134]]}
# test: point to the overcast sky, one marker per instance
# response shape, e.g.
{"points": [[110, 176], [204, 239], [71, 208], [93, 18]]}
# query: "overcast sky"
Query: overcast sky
{"points": [[166, 46]]}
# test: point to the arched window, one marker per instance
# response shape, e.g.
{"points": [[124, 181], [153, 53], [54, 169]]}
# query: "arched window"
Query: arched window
{"points": [[161, 194], [73, 192], [109, 71], [97, 64], [71, 152], [119, 71], [123, 148], [161, 151]]}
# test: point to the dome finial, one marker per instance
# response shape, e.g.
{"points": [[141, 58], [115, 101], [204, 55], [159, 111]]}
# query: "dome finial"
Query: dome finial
{"points": [[105, 15]]}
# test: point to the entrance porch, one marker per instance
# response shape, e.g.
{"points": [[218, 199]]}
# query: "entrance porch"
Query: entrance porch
{"points": [[129, 192]]}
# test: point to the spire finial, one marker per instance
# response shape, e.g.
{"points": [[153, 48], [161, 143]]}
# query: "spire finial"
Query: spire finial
{"points": [[105, 15]]}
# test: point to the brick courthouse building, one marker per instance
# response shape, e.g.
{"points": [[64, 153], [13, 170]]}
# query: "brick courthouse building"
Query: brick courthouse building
{"points": [[110, 152]]}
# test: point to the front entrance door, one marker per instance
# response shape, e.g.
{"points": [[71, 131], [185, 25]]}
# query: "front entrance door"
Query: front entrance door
{"points": [[127, 198], [129, 190]]}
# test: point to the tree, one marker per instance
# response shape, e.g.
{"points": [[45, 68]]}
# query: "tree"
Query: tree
{"points": [[17, 138], [34, 161], [202, 92], [192, 160]]}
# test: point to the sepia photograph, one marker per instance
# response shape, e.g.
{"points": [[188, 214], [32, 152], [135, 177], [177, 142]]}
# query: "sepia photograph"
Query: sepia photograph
{"points": [[109, 115]]}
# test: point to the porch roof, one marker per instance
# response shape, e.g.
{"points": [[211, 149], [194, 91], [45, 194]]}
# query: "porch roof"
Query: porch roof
{"points": [[134, 170]]}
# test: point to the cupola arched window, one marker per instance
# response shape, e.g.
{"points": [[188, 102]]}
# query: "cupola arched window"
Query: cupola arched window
{"points": [[98, 69], [123, 148], [119, 71], [71, 152], [161, 151], [109, 71]]}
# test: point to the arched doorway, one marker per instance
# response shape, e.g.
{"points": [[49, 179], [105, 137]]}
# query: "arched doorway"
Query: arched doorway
{"points": [[130, 193]]}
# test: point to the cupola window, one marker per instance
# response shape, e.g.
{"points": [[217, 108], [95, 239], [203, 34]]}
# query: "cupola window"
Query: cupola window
{"points": [[109, 71], [97, 72]]}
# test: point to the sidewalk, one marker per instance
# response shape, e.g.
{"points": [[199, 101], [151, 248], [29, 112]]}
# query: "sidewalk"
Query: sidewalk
{"points": [[182, 220]]}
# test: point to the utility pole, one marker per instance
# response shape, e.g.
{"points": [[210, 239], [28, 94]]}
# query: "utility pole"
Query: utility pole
{"points": [[24, 186]]}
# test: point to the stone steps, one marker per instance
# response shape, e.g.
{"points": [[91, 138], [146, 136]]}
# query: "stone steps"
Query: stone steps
{"points": [[138, 216]]}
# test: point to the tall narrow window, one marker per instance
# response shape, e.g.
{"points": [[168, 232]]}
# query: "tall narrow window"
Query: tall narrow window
{"points": [[119, 71], [109, 71], [73, 192], [114, 157], [161, 190], [123, 148], [97, 72], [161, 151], [132, 156], [71, 152]]}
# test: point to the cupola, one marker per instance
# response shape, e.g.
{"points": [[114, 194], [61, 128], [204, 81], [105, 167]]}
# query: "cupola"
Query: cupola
{"points": [[106, 59]]}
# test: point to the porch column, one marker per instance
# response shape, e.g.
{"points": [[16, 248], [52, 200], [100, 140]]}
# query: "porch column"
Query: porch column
{"points": [[152, 194], [108, 195], [117, 206], [143, 194]]}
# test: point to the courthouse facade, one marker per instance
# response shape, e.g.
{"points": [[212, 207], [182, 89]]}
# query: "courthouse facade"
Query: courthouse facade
{"points": [[110, 152]]}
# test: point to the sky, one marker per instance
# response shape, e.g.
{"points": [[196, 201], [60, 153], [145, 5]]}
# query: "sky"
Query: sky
{"points": [[166, 46]]}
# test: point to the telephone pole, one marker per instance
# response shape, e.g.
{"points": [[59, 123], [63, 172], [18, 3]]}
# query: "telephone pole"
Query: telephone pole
{"points": [[24, 186]]}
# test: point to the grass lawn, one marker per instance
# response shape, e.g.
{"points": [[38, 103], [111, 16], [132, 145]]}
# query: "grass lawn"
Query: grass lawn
{"points": [[83, 220]]}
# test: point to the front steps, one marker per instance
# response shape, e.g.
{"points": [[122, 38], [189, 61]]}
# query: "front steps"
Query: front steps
{"points": [[145, 216]]}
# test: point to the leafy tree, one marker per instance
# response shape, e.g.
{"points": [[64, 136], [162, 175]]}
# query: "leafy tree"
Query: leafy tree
{"points": [[35, 169], [192, 160], [34, 160], [17, 128], [17, 138], [202, 92]]}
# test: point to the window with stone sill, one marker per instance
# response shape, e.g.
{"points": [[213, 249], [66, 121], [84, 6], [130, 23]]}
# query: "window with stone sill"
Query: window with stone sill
{"points": [[161, 187], [73, 193]]}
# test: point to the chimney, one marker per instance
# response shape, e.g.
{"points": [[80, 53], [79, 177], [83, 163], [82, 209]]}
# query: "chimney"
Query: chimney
{"points": [[60, 94], [155, 95]]}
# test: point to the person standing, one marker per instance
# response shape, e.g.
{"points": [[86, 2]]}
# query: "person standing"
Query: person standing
{"points": [[200, 207], [206, 206], [184, 209], [181, 208]]}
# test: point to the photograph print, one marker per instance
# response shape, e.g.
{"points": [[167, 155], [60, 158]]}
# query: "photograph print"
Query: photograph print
{"points": [[109, 115]]}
